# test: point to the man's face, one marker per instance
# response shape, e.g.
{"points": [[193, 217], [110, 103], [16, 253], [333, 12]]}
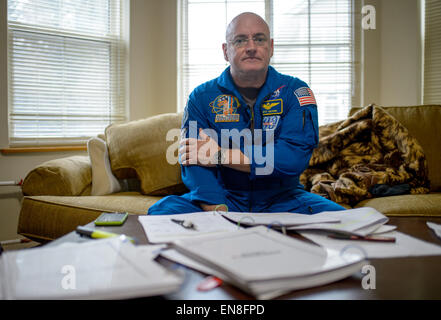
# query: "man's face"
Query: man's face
{"points": [[249, 47]]}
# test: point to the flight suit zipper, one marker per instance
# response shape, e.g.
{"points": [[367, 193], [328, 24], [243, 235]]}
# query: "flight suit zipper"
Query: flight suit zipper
{"points": [[252, 143]]}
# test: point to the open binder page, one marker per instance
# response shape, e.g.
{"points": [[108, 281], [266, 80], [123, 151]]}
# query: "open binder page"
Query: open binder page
{"points": [[162, 229]]}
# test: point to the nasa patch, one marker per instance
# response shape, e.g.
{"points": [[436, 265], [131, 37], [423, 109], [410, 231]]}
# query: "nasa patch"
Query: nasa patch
{"points": [[270, 122], [225, 107]]}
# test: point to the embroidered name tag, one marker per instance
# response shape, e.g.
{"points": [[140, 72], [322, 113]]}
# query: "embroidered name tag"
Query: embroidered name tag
{"points": [[227, 118], [272, 107]]}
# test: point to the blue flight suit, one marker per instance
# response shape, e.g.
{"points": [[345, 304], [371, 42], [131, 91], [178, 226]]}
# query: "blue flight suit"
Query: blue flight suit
{"points": [[285, 109]]}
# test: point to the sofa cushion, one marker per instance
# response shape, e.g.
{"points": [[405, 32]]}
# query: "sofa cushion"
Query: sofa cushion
{"points": [[426, 205], [71, 176], [141, 146], [48, 217], [423, 123]]}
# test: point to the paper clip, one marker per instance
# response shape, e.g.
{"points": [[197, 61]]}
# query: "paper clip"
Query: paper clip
{"points": [[282, 226], [243, 218]]}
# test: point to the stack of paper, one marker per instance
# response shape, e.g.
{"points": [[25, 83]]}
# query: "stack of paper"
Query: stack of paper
{"points": [[265, 263], [99, 269], [360, 221], [278, 219]]}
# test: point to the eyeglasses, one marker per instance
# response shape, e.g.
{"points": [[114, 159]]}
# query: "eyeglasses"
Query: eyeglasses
{"points": [[259, 40]]}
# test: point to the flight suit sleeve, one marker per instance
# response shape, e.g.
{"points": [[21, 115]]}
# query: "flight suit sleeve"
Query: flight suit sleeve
{"points": [[202, 181], [294, 143]]}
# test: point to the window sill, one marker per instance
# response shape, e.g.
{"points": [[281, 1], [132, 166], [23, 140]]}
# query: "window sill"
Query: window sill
{"points": [[42, 149]]}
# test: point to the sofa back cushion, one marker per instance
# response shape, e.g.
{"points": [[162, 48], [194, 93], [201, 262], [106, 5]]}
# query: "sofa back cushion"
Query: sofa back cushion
{"points": [[140, 148], [423, 123]]}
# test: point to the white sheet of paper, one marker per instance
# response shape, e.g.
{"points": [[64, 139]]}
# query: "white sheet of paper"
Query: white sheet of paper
{"points": [[278, 218], [150, 251], [435, 227], [160, 229], [405, 245], [383, 229]]}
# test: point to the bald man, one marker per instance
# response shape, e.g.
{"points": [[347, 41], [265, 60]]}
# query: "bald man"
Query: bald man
{"points": [[248, 134]]}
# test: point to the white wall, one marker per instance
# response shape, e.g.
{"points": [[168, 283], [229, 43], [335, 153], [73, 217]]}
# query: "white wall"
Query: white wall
{"points": [[391, 76], [153, 57], [392, 69]]}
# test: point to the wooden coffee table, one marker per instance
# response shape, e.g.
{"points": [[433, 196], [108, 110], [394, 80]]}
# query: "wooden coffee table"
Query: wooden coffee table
{"points": [[396, 278]]}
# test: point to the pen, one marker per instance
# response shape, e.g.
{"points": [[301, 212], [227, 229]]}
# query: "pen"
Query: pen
{"points": [[98, 234], [184, 223], [22, 240], [365, 238]]}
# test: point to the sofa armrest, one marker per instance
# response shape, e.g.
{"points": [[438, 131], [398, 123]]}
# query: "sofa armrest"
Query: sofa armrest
{"points": [[71, 176]]}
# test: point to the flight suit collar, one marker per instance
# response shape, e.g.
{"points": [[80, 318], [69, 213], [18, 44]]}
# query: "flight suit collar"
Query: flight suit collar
{"points": [[272, 82]]}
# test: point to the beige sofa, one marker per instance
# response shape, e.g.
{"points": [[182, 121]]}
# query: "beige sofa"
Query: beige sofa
{"points": [[58, 192]]}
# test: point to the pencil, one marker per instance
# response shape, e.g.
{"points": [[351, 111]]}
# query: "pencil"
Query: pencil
{"points": [[365, 238]]}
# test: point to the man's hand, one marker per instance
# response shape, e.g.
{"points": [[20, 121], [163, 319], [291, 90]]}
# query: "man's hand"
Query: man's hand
{"points": [[198, 151], [202, 152], [211, 207]]}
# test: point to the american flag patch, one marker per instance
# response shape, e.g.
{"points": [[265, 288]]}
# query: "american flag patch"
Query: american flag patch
{"points": [[305, 96]]}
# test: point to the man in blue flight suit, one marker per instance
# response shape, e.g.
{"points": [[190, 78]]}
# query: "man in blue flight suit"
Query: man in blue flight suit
{"points": [[275, 115]]}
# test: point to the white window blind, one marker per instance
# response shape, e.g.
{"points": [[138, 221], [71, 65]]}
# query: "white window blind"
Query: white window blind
{"points": [[313, 40], [432, 52], [66, 66]]}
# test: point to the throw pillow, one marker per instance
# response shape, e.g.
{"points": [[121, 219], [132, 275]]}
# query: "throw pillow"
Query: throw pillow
{"points": [[103, 180], [141, 146]]}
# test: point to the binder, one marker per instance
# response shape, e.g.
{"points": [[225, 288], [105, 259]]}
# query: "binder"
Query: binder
{"points": [[98, 269], [261, 261]]}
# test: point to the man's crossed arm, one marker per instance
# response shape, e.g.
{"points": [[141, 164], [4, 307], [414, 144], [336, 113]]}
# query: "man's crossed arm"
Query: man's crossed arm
{"points": [[205, 152]]}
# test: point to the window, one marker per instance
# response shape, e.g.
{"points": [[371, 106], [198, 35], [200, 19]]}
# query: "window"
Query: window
{"points": [[432, 52], [66, 70], [313, 40]]}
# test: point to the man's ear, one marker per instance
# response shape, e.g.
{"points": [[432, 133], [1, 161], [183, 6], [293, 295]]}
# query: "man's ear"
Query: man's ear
{"points": [[272, 48], [224, 49]]}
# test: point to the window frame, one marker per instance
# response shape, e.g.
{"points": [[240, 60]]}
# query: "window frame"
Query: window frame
{"points": [[117, 61]]}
